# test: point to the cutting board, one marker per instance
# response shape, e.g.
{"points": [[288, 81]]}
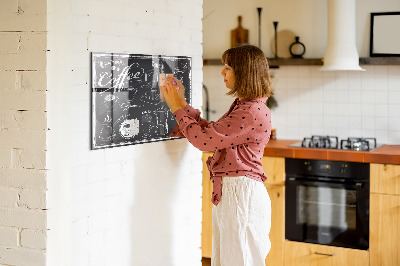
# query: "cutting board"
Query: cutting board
{"points": [[239, 35]]}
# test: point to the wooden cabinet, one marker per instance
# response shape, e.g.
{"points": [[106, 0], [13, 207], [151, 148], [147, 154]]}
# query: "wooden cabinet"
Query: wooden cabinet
{"points": [[385, 230], [277, 233], [304, 254], [385, 215], [206, 226], [385, 178], [274, 168], [384, 222]]}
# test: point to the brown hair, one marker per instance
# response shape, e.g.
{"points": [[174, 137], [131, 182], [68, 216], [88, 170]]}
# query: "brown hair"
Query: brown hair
{"points": [[250, 66]]}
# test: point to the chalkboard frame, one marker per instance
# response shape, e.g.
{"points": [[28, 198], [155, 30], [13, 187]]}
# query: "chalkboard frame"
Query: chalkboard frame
{"points": [[126, 103]]}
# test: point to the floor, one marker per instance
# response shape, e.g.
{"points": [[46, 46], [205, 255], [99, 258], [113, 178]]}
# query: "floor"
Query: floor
{"points": [[206, 261]]}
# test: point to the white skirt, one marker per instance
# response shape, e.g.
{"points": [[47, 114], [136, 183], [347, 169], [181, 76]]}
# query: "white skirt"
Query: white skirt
{"points": [[241, 223]]}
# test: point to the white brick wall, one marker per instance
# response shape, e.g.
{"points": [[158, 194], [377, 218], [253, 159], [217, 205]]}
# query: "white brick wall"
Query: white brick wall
{"points": [[9, 237], [23, 132], [133, 205], [33, 239]]}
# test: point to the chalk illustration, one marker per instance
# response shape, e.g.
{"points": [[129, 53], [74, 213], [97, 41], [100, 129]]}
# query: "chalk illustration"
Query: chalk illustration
{"points": [[127, 104], [129, 128]]}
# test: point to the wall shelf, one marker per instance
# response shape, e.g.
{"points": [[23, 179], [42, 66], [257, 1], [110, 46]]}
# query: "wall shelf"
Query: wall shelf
{"points": [[274, 63], [380, 61]]}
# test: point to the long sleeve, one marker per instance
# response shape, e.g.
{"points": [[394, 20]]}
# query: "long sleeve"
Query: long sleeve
{"points": [[238, 140], [193, 113], [231, 130]]}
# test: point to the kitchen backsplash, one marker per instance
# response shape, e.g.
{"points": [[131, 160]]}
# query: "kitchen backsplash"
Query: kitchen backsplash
{"points": [[314, 102]]}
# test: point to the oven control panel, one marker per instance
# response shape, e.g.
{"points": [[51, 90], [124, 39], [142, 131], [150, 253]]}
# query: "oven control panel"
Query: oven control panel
{"points": [[337, 169]]}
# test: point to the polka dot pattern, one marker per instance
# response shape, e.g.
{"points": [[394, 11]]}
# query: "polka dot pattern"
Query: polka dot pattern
{"points": [[238, 139]]}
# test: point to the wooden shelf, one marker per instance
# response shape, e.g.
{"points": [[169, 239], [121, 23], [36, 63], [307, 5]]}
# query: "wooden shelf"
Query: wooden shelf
{"points": [[273, 63], [380, 61]]}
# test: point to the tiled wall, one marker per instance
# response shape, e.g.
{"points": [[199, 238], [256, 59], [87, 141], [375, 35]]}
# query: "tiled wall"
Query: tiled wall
{"points": [[313, 102]]}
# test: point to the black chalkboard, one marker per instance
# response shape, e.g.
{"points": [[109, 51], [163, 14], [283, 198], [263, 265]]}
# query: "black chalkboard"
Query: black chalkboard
{"points": [[127, 107]]}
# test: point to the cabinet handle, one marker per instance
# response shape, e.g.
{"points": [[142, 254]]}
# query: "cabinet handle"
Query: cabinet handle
{"points": [[324, 254]]}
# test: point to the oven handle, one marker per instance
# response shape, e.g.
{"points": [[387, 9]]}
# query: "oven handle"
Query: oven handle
{"points": [[357, 185]]}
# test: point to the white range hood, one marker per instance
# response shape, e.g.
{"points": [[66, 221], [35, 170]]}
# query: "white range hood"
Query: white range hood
{"points": [[341, 51]]}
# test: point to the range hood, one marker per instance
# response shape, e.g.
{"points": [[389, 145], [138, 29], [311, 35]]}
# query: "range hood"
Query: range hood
{"points": [[341, 51]]}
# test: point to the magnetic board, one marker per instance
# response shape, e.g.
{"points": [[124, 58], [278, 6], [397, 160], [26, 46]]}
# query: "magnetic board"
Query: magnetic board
{"points": [[127, 104]]}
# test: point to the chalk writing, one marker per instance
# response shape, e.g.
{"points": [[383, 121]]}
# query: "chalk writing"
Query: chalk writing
{"points": [[126, 104]]}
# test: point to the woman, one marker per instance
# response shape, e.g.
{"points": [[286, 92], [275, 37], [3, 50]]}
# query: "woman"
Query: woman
{"points": [[242, 208]]}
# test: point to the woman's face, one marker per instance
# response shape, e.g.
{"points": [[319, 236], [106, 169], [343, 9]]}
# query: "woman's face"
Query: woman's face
{"points": [[229, 76]]}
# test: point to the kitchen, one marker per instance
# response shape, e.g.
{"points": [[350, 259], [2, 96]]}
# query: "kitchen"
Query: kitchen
{"points": [[112, 206], [313, 104]]}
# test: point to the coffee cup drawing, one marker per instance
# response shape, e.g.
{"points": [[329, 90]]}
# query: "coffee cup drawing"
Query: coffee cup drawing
{"points": [[161, 81]]}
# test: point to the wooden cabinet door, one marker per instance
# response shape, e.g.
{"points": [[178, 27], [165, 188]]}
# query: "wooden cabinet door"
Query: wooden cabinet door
{"points": [[277, 233], [385, 178], [304, 254], [384, 237], [206, 225], [274, 168]]}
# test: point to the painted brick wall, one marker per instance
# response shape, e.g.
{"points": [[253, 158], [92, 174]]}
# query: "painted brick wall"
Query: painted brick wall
{"points": [[133, 205], [23, 132]]}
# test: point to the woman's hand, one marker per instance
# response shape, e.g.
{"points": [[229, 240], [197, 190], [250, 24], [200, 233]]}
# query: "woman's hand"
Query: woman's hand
{"points": [[181, 91], [172, 91]]}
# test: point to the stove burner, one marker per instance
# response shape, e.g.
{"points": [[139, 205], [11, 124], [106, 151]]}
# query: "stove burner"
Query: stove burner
{"points": [[332, 142], [358, 144], [328, 142]]}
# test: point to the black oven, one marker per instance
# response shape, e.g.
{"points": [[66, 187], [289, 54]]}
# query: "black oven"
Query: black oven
{"points": [[327, 202]]}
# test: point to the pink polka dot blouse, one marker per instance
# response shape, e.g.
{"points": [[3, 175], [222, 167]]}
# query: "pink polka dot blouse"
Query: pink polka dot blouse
{"points": [[238, 139]]}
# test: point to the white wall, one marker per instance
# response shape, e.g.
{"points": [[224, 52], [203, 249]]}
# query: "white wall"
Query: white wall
{"points": [[311, 102], [306, 19], [133, 205], [23, 133]]}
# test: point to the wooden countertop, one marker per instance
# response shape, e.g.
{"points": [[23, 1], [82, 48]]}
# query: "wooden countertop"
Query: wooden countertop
{"points": [[389, 154]]}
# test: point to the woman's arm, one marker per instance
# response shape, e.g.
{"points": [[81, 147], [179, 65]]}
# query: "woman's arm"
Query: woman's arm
{"points": [[239, 127], [174, 93]]}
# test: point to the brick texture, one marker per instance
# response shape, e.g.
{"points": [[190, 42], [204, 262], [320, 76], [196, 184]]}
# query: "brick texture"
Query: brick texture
{"points": [[17, 256], [33, 199], [23, 126], [8, 197], [23, 178], [33, 239], [23, 218], [9, 237]]}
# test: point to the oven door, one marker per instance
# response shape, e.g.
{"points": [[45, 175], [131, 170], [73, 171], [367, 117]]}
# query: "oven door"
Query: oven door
{"points": [[327, 213]]}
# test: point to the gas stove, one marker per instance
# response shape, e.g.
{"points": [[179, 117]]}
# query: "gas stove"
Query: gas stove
{"points": [[332, 142]]}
